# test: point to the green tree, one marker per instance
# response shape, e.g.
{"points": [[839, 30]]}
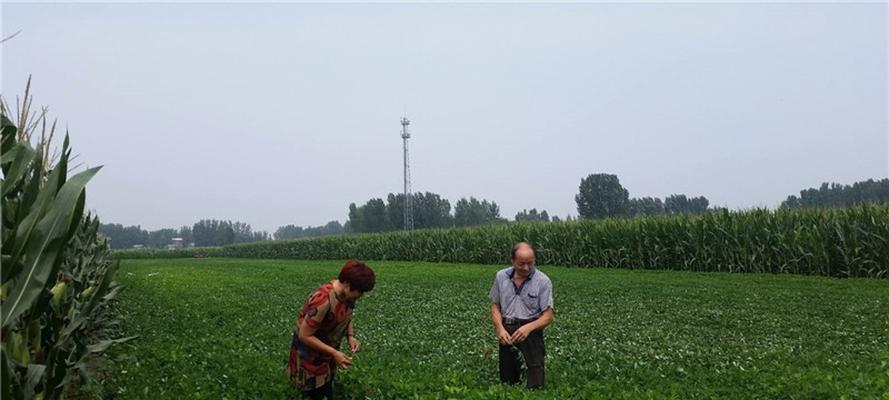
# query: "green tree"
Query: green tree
{"points": [[295, 232], [288, 232], [331, 228], [533, 216], [682, 204], [475, 212], [211, 232], [646, 206], [375, 219], [124, 237], [185, 234], [355, 224], [371, 217], [244, 233], [431, 211], [395, 210], [698, 205], [161, 237], [839, 195], [600, 196]]}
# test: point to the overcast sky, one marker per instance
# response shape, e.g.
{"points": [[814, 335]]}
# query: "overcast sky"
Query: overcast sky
{"points": [[280, 114]]}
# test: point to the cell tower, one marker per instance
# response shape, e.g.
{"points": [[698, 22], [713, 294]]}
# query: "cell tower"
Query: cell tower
{"points": [[408, 207]]}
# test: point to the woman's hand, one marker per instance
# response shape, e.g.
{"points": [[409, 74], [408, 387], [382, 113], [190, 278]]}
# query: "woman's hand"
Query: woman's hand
{"points": [[342, 360], [354, 344]]}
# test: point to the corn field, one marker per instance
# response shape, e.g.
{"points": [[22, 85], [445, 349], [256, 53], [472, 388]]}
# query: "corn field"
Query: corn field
{"points": [[843, 242], [190, 252]]}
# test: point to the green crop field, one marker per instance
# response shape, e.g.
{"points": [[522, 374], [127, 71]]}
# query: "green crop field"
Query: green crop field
{"points": [[220, 328]]}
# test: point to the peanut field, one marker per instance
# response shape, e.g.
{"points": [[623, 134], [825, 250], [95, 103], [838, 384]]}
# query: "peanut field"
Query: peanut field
{"points": [[220, 329]]}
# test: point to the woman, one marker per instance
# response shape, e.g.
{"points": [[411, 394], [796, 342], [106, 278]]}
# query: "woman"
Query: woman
{"points": [[324, 320]]}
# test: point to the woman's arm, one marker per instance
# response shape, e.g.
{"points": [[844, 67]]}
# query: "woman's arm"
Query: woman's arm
{"points": [[354, 344], [307, 336]]}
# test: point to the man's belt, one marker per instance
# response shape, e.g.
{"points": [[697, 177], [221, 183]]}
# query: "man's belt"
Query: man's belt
{"points": [[517, 321]]}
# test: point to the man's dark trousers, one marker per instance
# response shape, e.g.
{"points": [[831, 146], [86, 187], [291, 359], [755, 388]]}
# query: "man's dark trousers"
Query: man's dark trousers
{"points": [[533, 351]]}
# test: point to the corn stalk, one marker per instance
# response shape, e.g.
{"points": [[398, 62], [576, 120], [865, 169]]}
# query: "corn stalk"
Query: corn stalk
{"points": [[56, 272]]}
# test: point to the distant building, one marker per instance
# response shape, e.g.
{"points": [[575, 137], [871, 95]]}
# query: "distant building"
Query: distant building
{"points": [[177, 243]]}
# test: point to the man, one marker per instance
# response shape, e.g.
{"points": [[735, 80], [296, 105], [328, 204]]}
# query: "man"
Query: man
{"points": [[522, 305]]}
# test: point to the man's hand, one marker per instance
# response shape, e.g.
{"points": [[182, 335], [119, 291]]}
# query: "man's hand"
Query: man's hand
{"points": [[354, 344], [342, 361], [520, 334], [503, 337]]}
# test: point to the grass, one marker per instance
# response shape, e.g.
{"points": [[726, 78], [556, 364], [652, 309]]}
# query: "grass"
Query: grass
{"points": [[220, 328]]}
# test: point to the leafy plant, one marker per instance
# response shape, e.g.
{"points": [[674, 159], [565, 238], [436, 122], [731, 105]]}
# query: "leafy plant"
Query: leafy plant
{"points": [[220, 328], [56, 277], [841, 242]]}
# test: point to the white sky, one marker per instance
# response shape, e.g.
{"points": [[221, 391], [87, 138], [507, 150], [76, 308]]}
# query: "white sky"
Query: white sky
{"points": [[276, 114]]}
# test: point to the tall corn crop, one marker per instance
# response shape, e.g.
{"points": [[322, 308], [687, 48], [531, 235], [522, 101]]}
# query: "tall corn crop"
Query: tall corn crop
{"points": [[56, 271], [843, 242]]}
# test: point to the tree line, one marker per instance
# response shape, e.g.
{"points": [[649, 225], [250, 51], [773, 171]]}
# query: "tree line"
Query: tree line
{"points": [[207, 232], [599, 196], [839, 195], [295, 232], [429, 210], [603, 196]]}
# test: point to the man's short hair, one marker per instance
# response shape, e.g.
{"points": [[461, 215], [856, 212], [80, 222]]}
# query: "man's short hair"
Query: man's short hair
{"points": [[519, 245]]}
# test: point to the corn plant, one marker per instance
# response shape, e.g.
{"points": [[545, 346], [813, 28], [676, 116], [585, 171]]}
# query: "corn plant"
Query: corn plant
{"points": [[57, 273], [842, 242]]}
